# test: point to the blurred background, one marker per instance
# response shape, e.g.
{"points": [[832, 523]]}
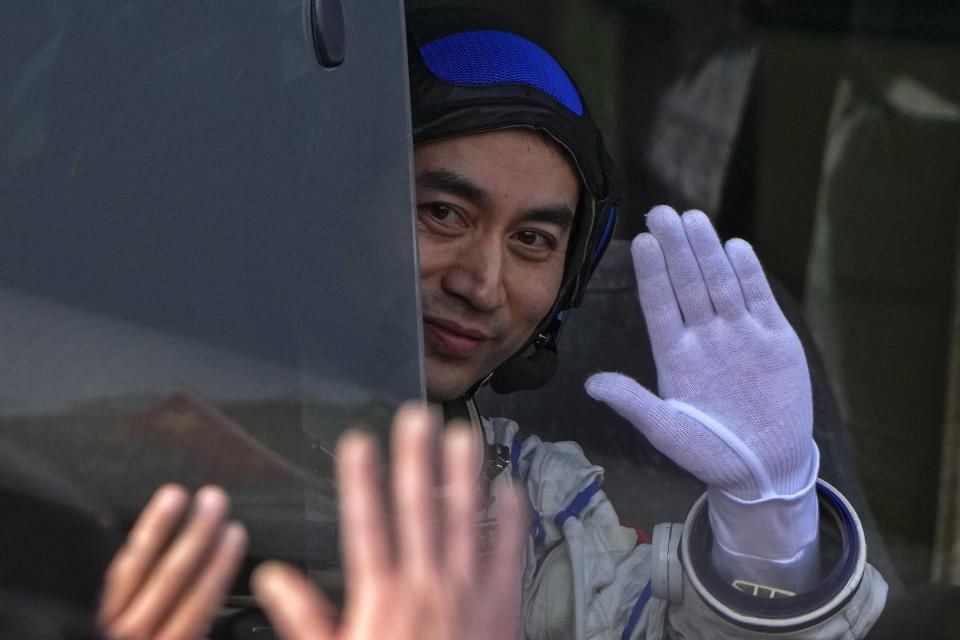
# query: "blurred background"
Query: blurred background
{"points": [[827, 133]]}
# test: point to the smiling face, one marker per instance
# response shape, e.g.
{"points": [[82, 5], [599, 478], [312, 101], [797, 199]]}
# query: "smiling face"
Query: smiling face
{"points": [[494, 213]]}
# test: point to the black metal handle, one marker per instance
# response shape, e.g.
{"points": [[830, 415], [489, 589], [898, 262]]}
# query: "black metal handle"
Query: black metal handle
{"points": [[326, 24]]}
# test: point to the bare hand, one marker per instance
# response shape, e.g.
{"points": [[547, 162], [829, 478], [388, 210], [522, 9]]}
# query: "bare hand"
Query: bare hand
{"points": [[166, 582], [433, 587]]}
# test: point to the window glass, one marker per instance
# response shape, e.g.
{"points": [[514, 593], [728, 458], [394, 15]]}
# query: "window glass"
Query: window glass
{"points": [[207, 256]]}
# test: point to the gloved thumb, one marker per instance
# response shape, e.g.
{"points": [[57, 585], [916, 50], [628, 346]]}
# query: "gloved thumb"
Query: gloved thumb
{"points": [[642, 408], [672, 432]]}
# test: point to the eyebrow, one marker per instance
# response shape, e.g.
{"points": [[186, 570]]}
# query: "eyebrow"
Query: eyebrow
{"points": [[558, 214], [453, 183]]}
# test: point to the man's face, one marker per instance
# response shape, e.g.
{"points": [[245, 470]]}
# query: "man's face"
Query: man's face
{"points": [[494, 213]]}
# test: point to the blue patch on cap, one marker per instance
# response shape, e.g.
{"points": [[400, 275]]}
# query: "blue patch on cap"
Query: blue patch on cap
{"points": [[498, 57]]}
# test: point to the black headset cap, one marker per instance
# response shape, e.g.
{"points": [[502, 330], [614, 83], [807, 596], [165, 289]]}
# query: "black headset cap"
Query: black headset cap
{"points": [[473, 71]]}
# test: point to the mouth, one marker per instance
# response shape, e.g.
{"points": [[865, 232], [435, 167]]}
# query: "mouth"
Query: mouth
{"points": [[449, 338]]}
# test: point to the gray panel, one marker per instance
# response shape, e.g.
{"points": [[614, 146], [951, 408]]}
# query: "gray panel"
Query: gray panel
{"points": [[198, 217]]}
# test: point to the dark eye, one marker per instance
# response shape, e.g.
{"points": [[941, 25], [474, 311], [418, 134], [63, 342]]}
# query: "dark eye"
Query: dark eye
{"points": [[534, 238], [441, 212], [441, 218]]}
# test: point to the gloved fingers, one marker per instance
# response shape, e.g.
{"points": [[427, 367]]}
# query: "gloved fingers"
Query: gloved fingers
{"points": [[753, 282], [660, 310], [721, 280], [654, 418], [685, 275]]}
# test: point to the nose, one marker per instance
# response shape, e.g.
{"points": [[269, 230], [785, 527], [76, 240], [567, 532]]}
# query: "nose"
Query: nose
{"points": [[477, 275]]}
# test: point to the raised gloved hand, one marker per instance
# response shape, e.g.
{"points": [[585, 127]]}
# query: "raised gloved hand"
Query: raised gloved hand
{"points": [[735, 406]]}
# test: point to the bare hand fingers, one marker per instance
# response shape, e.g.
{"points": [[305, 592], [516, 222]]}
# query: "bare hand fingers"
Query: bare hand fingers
{"points": [[364, 528], [501, 583], [178, 565], [194, 611], [413, 486], [144, 544], [460, 499], [296, 608]]}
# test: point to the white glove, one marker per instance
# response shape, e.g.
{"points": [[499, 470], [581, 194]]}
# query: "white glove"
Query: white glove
{"points": [[736, 409]]}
